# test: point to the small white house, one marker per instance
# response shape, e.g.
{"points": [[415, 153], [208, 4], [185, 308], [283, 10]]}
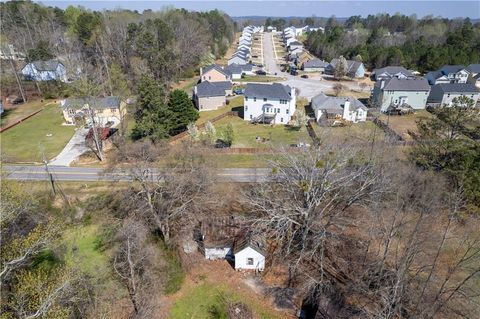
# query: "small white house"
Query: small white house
{"points": [[269, 103], [249, 255]]}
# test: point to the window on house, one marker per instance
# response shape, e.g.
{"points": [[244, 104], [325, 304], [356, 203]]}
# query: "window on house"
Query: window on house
{"points": [[287, 111], [113, 110], [246, 108], [251, 117], [246, 98], [278, 110], [254, 99], [281, 120], [250, 261], [264, 99]]}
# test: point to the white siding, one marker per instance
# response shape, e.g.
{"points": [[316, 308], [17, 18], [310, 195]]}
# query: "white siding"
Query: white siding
{"points": [[283, 112], [249, 258], [217, 253]]}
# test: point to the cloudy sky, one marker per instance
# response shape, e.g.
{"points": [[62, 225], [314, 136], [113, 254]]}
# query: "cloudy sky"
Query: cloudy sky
{"points": [[320, 8]]}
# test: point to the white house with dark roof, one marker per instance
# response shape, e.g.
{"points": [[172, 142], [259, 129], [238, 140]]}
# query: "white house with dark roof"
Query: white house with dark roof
{"points": [[391, 72], [237, 70], [269, 103], [443, 94], [45, 71], [397, 93], [211, 95], [249, 253], [347, 108], [448, 74]]}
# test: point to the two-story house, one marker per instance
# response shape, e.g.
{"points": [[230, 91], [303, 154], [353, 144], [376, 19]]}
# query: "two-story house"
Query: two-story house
{"points": [[448, 74], [269, 103], [211, 95], [444, 94], [103, 110], [214, 73], [396, 93], [391, 72], [45, 71]]}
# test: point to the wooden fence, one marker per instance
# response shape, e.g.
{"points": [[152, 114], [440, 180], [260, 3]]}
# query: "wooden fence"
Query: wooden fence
{"points": [[9, 126]]}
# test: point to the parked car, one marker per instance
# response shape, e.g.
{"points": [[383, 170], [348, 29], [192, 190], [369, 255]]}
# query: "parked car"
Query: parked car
{"points": [[238, 91], [261, 72], [294, 72], [304, 76]]}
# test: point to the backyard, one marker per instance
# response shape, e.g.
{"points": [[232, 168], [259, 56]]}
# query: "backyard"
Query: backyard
{"points": [[19, 111], [358, 132], [403, 124], [39, 136]]}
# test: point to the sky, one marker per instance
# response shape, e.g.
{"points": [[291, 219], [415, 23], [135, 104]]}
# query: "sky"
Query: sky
{"points": [[279, 8]]}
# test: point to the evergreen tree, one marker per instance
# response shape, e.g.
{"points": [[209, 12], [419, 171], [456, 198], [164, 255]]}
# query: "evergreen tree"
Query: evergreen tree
{"points": [[151, 114], [181, 112]]}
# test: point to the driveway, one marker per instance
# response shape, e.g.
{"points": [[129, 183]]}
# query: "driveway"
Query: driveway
{"points": [[74, 148], [308, 87]]}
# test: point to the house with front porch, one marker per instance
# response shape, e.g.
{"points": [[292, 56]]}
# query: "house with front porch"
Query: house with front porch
{"points": [[269, 103]]}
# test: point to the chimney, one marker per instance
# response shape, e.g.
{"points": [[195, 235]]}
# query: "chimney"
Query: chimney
{"points": [[346, 110]]}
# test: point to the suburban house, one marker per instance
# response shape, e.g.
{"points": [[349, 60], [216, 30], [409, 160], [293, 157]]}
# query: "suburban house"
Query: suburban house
{"points": [[448, 74], [346, 108], [45, 71], [269, 103], [443, 94], [238, 59], [236, 70], [211, 95], [104, 109], [214, 73], [295, 45], [355, 69], [391, 72], [314, 65], [398, 93]]}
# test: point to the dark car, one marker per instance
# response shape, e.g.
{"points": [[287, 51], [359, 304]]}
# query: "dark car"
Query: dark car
{"points": [[238, 91], [304, 76], [261, 72]]}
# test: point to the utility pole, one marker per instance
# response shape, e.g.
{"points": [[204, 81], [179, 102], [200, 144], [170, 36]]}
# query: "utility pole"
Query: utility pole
{"points": [[98, 142], [50, 175]]}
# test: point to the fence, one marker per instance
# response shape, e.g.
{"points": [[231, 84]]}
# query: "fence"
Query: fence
{"points": [[183, 134], [3, 129]]}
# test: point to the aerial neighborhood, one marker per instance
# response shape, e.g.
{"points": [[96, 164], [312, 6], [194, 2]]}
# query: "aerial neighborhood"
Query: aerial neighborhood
{"points": [[185, 162]]}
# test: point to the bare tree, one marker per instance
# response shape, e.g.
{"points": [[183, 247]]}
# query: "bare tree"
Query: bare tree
{"points": [[338, 88]]}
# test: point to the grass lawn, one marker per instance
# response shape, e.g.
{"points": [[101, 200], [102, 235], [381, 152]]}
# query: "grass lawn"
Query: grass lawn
{"points": [[82, 251], [26, 141], [402, 124], [245, 133], [361, 132], [240, 160], [208, 115], [260, 78], [200, 302], [18, 112]]}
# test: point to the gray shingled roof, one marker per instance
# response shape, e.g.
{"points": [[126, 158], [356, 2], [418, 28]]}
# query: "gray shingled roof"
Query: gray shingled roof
{"points": [[206, 88], [97, 103], [213, 67], [352, 66], [295, 43], [435, 74], [474, 68], [456, 87], [50, 65], [315, 63], [447, 69], [238, 68], [391, 70], [394, 84], [269, 91], [335, 104]]}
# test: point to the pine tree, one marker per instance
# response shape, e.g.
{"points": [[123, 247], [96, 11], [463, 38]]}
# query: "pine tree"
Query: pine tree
{"points": [[181, 111]]}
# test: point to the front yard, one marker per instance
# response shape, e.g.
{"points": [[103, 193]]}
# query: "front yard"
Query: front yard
{"points": [[40, 134]]}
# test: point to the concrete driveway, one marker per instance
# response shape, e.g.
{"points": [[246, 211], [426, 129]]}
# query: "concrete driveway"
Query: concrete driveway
{"points": [[74, 148]]}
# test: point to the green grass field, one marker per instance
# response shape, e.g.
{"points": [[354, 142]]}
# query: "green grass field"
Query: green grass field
{"points": [[22, 110], [245, 133], [202, 301], [361, 132], [28, 140]]}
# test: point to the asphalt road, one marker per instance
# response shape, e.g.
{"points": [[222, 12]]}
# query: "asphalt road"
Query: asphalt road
{"points": [[308, 87], [90, 174]]}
